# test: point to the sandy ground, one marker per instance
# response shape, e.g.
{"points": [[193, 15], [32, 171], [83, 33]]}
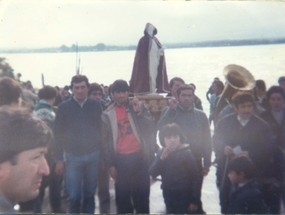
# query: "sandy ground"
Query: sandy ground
{"points": [[209, 197]]}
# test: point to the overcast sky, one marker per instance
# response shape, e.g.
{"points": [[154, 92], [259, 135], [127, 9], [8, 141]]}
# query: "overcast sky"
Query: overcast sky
{"points": [[51, 23]]}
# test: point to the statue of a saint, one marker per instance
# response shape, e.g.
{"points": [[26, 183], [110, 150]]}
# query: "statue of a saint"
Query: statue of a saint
{"points": [[149, 71]]}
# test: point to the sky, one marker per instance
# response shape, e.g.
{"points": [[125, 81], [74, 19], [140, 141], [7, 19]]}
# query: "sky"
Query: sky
{"points": [[52, 23]]}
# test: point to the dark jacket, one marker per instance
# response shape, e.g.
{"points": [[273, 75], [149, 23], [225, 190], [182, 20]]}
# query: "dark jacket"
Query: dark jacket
{"points": [[178, 172], [255, 137], [247, 200], [195, 126], [279, 149], [278, 130], [77, 129]]}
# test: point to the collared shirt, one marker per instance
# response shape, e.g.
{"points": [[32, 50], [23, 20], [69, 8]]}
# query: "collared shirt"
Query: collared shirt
{"points": [[80, 103], [243, 122], [241, 184]]}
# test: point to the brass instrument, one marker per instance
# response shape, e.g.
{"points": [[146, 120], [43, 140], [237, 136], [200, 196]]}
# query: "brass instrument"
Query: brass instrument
{"points": [[237, 78]]}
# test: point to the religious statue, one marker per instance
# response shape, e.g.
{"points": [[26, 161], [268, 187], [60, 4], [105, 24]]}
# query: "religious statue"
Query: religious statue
{"points": [[149, 70]]}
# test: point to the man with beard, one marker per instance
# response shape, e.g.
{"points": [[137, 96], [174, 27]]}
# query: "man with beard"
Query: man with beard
{"points": [[129, 142]]}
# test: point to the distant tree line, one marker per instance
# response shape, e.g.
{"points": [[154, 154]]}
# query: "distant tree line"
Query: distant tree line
{"points": [[218, 43], [98, 47], [103, 47]]}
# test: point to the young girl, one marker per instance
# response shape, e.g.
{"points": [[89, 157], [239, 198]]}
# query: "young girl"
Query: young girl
{"points": [[176, 165]]}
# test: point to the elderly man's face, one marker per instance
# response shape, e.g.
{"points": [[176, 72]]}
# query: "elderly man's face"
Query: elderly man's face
{"points": [[21, 181]]}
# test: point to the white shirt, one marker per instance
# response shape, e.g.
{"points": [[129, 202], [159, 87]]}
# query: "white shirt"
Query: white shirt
{"points": [[243, 122]]}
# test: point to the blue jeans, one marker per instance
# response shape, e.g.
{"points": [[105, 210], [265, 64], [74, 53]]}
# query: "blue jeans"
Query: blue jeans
{"points": [[81, 180]]}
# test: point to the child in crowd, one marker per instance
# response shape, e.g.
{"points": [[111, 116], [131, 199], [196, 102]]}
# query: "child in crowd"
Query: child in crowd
{"points": [[245, 197], [177, 167]]}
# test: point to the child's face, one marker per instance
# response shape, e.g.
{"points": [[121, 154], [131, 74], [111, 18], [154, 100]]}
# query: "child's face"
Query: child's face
{"points": [[235, 177], [172, 141]]}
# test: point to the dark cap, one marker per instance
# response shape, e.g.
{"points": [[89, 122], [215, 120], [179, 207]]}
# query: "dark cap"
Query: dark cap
{"points": [[20, 131], [120, 86]]}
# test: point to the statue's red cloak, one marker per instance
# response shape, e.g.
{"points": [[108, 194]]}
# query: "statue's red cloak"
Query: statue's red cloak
{"points": [[139, 83]]}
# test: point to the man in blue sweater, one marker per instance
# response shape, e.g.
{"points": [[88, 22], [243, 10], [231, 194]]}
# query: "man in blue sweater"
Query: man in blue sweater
{"points": [[77, 140]]}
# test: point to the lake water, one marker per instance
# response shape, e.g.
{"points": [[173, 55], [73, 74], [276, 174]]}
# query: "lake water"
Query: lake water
{"points": [[196, 65]]}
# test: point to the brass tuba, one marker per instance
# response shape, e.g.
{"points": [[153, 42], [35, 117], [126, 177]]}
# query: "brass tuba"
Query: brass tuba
{"points": [[237, 78]]}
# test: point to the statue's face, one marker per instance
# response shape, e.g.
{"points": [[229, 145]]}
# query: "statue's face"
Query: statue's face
{"points": [[150, 29]]}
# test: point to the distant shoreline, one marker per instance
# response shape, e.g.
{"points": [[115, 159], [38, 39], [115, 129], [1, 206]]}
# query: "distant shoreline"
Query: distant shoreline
{"points": [[102, 47]]}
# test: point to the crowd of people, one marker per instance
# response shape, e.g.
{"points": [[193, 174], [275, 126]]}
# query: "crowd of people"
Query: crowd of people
{"points": [[78, 139]]}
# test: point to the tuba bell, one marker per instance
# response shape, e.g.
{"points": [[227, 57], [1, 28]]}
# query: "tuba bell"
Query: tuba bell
{"points": [[237, 78]]}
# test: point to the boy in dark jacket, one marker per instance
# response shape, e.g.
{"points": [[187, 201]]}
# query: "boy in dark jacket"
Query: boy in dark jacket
{"points": [[177, 167], [245, 197]]}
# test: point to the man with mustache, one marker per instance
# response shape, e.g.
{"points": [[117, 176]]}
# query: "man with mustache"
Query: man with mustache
{"points": [[23, 145]]}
